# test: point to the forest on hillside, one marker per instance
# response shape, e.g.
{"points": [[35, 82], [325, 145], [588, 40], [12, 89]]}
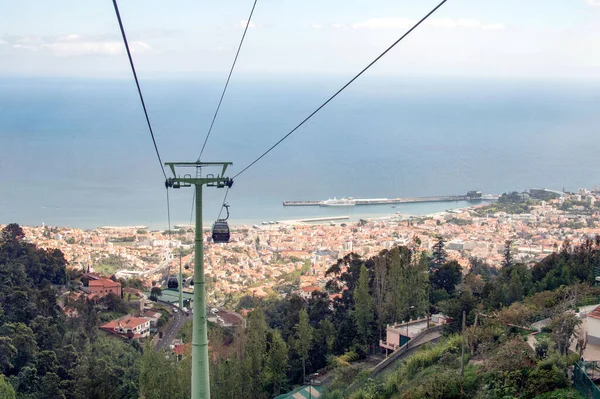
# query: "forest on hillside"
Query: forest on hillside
{"points": [[44, 354]]}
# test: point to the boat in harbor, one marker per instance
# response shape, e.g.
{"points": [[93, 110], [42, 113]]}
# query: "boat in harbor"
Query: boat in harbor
{"points": [[339, 202]]}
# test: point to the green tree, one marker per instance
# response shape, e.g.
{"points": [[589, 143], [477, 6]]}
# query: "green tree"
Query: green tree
{"points": [[7, 353], [563, 327], [328, 332], [447, 276], [515, 288], [109, 369], [24, 341], [380, 281], [11, 235], [303, 340], [397, 295], [50, 387], [47, 362], [439, 253], [363, 310], [508, 257], [27, 381], [48, 332], [255, 353], [277, 363], [155, 292], [6, 390], [417, 286], [159, 377]]}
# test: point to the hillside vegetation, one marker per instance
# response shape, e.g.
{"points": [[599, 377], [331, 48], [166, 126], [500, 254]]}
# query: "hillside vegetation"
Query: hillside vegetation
{"points": [[44, 354]]}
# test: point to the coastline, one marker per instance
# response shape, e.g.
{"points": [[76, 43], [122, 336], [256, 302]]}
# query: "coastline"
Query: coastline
{"points": [[311, 219]]}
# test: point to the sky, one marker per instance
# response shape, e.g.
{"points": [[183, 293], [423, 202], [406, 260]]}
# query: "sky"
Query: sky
{"points": [[182, 38]]}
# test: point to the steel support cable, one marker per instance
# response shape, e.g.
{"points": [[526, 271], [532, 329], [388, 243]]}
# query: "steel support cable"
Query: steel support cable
{"points": [[223, 205], [139, 89], [342, 89], [137, 83], [212, 123], [228, 79]]}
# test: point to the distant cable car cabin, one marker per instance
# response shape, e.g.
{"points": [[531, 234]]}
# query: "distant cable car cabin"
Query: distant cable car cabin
{"points": [[173, 282], [220, 229]]}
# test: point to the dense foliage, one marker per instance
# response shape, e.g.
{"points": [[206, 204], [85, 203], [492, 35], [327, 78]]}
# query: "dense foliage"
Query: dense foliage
{"points": [[499, 306], [42, 353]]}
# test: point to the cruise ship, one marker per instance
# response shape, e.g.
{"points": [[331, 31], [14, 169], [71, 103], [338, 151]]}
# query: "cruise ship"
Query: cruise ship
{"points": [[339, 202]]}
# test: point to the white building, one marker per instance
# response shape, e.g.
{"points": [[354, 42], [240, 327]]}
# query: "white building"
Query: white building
{"points": [[593, 327], [127, 325]]}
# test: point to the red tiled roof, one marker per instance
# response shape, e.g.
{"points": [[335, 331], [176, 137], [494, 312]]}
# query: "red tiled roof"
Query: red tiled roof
{"points": [[595, 313], [127, 322], [180, 349], [103, 282], [152, 314]]}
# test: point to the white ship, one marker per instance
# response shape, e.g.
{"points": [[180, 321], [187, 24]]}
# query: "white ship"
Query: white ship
{"points": [[339, 202]]}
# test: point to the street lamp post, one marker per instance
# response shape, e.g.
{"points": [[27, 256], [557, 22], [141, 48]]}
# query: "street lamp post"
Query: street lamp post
{"points": [[407, 340], [313, 375]]}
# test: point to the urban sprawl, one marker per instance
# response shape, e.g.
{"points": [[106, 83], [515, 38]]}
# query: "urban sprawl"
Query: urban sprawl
{"points": [[289, 256]]}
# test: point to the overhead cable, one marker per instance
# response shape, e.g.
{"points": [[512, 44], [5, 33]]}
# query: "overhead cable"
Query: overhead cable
{"points": [[342, 89], [224, 202], [212, 123], [228, 79], [137, 83]]}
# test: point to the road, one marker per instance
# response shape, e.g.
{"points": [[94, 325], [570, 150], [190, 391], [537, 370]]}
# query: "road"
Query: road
{"points": [[173, 327]]}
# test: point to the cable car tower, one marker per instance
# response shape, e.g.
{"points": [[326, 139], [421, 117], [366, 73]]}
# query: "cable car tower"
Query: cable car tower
{"points": [[200, 376]]}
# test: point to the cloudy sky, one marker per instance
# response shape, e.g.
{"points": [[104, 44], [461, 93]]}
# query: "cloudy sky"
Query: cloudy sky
{"points": [[557, 38]]}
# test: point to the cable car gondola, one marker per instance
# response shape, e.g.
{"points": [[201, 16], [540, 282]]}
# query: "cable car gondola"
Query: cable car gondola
{"points": [[220, 229], [173, 282]]}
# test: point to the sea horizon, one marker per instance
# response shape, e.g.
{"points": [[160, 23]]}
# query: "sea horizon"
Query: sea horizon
{"points": [[77, 152]]}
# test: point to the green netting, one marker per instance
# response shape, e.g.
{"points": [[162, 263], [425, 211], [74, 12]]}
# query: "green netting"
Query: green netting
{"points": [[582, 381], [305, 392]]}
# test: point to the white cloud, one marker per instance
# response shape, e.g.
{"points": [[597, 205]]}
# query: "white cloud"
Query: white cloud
{"points": [[252, 24], [384, 23], [495, 26], [316, 26], [594, 3], [337, 26], [76, 45], [405, 23]]}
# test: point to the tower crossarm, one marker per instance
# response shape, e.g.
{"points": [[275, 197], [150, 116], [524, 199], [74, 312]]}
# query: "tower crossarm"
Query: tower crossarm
{"points": [[187, 179]]}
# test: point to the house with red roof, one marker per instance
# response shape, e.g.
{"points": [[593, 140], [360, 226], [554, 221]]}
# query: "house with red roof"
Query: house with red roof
{"points": [[593, 327], [180, 350], [103, 286], [129, 326]]}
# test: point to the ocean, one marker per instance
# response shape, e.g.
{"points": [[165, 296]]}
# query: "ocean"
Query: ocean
{"points": [[77, 152]]}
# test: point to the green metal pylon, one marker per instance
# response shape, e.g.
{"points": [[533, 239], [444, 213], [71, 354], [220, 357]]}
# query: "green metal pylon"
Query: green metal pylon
{"points": [[200, 376], [180, 283]]}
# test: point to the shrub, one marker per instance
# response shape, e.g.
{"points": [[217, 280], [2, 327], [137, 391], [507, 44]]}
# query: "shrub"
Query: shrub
{"points": [[431, 355], [568, 393], [542, 346]]}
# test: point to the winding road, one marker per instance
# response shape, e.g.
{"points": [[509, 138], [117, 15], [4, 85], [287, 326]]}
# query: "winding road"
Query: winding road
{"points": [[179, 319]]}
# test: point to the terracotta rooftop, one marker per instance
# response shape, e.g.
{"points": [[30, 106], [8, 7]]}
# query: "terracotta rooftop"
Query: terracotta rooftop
{"points": [[126, 321], [103, 282], [595, 313], [180, 349]]}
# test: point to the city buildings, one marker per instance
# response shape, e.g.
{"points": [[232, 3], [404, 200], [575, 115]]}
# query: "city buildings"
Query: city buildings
{"points": [[264, 260]]}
